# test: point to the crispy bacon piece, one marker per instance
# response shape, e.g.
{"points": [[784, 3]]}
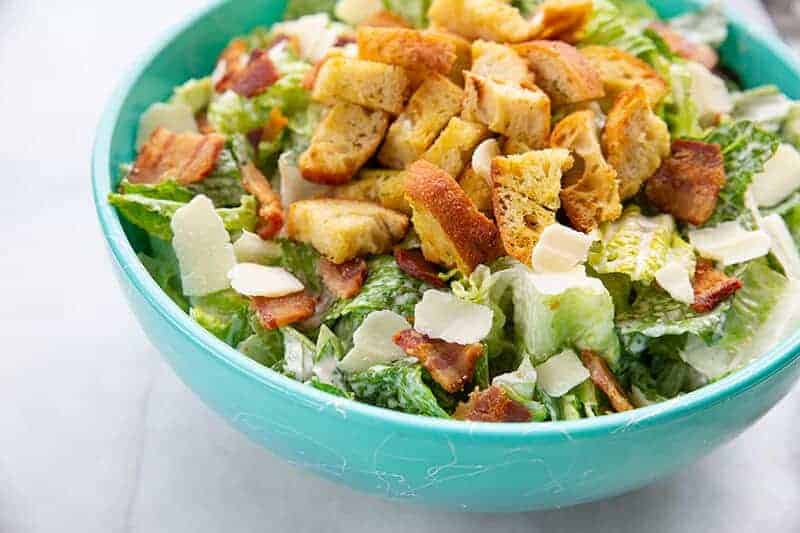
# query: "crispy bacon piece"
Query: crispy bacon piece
{"points": [[711, 287], [385, 19], [203, 124], [270, 210], [451, 365], [259, 74], [605, 380], [688, 183], [492, 405], [186, 157], [345, 280], [680, 45], [274, 313], [413, 263], [235, 61]]}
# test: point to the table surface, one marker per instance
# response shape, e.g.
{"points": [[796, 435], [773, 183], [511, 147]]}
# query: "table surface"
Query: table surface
{"points": [[98, 435]]}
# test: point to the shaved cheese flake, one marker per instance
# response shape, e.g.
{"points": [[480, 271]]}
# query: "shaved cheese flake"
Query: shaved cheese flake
{"points": [[522, 380], [294, 187], [561, 373], [783, 245], [440, 315], [560, 249], [177, 118], [250, 248], [482, 158], [730, 244], [203, 247], [315, 34], [709, 92], [354, 12], [554, 283], [373, 344], [250, 279], [676, 280], [780, 178]]}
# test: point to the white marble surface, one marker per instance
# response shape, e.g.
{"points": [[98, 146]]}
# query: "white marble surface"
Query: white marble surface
{"points": [[96, 433]]}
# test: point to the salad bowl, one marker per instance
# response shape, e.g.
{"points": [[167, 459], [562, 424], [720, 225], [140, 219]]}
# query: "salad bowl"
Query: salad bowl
{"points": [[447, 464]]}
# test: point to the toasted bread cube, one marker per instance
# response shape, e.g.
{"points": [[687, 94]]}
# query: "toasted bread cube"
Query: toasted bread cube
{"points": [[635, 140], [478, 190], [525, 197], [342, 230], [620, 71], [520, 113], [410, 49], [452, 231], [562, 20], [382, 186], [493, 20], [562, 72], [343, 142], [591, 191], [500, 62], [370, 84], [453, 149], [385, 19], [463, 50], [430, 109]]}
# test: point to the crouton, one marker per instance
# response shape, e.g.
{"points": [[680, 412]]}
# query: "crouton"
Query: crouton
{"points": [[345, 139], [385, 19], [525, 197], [463, 50], [478, 190], [430, 109], [493, 20], [410, 49], [452, 231], [453, 148], [562, 20], [688, 183], [620, 71], [342, 230], [635, 140], [370, 84], [500, 62], [680, 45], [591, 191], [520, 113], [381, 186], [562, 72]]}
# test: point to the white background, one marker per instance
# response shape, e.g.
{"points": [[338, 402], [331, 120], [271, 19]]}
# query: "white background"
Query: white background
{"points": [[96, 433]]}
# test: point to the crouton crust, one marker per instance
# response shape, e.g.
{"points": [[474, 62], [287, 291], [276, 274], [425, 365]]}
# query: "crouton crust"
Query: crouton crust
{"points": [[382, 186], [500, 62], [562, 20], [453, 232], [620, 71], [453, 148], [376, 86], [385, 19], [411, 49], [635, 140], [493, 20], [478, 190], [562, 72], [343, 142]]}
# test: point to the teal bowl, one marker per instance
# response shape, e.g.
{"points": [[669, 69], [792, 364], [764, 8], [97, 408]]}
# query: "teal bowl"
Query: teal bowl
{"points": [[454, 465]]}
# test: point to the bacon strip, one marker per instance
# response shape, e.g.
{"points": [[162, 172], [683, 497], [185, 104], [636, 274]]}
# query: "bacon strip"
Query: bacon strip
{"points": [[186, 157], [680, 45], [345, 280], [492, 405], [413, 263], [259, 75], [451, 365], [274, 313], [711, 287], [687, 185], [234, 58], [203, 124], [270, 211], [606, 381]]}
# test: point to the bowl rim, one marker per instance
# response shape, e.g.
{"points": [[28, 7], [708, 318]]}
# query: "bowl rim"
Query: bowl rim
{"points": [[733, 385]]}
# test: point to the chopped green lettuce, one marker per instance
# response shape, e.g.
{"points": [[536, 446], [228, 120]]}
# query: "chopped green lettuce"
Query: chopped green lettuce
{"points": [[766, 106], [195, 94], [707, 26], [679, 110], [224, 184], [399, 387], [527, 7], [225, 314], [265, 346], [329, 351], [301, 260], [163, 268], [298, 8], [166, 190], [298, 354], [636, 10], [415, 11], [791, 126], [608, 26]]}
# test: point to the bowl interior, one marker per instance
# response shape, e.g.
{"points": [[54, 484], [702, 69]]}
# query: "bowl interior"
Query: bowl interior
{"points": [[187, 52]]}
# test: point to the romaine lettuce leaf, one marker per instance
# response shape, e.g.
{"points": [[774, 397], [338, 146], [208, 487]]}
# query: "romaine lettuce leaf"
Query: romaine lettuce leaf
{"points": [[329, 351], [791, 126], [527, 7], [301, 260], [298, 8], [195, 94], [636, 10], [163, 267], [225, 314], [707, 26], [265, 346], [298, 354], [679, 110], [608, 26], [766, 106], [224, 184], [166, 190], [414, 11], [399, 387]]}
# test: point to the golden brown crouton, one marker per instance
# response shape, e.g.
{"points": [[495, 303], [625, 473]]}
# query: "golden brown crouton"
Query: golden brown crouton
{"points": [[500, 62], [562, 20], [591, 191], [370, 84], [410, 49], [381, 186], [463, 50], [520, 113], [493, 20], [478, 190], [525, 196], [635, 140], [453, 148], [342, 230], [430, 109], [346, 138], [385, 19], [621, 71], [452, 231], [561, 71]]}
